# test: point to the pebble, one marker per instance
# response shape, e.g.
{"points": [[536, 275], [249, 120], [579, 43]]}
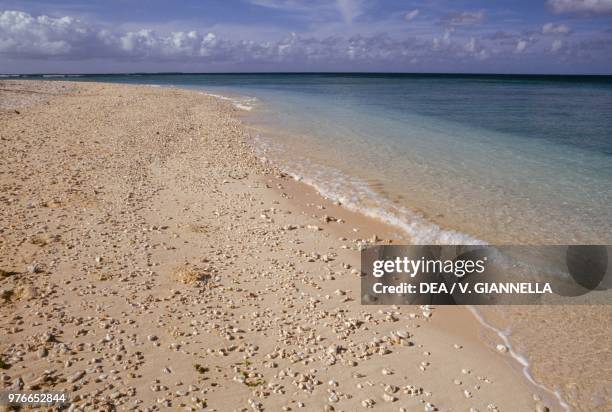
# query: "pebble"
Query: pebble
{"points": [[402, 334], [75, 377], [502, 348], [389, 398], [33, 268], [368, 403]]}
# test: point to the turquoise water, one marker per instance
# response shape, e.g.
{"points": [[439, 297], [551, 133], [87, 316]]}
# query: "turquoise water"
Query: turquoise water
{"points": [[444, 158]]}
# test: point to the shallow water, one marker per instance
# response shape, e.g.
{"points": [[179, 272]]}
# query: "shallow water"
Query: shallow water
{"points": [[491, 164]]}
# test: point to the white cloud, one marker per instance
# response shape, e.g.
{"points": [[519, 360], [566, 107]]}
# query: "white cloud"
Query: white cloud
{"points": [[466, 18], [411, 15], [145, 43], [552, 28], [475, 49], [22, 33], [556, 46], [521, 45], [291, 5], [470, 46], [581, 6], [440, 42], [349, 9], [25, 36]]}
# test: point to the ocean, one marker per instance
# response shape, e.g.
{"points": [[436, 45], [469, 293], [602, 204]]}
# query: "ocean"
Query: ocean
{"points": [[444, 158]]}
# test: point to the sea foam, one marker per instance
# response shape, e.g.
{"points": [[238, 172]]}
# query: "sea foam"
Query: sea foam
{"points": [[521, 359], [358, 196], [243, 103]]}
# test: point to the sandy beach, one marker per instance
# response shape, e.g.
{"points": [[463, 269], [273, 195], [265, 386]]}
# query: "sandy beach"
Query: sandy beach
{"points": [[150, 261]]}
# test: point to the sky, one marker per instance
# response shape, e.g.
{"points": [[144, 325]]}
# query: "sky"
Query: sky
{"points": [[480, 36]]}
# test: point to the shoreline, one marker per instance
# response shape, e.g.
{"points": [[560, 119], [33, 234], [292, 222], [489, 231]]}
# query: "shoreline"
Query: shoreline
{"points": [[520, 360], [395, 234], [559, 391], [413, 223], [175, 190], [392, 235], [419, 191]]}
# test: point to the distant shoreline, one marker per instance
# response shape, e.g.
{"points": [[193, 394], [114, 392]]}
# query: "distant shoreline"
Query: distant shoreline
{"points": [[522, 76]]}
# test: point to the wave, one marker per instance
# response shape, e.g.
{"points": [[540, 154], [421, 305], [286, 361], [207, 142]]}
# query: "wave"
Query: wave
{"points": [[243, 103], [358, 196], [61, 75]]}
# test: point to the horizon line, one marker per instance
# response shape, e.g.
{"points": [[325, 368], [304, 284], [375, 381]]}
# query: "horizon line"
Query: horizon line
{"points": [[306, 73]]}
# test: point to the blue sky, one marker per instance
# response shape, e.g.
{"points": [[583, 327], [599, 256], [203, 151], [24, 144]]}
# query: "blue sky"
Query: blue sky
{"points": [[503, 36]]}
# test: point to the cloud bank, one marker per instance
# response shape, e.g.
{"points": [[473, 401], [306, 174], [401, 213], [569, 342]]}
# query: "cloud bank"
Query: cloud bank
{"points": [[585, 7], [466, 18], [552, 28], [68, 39]]}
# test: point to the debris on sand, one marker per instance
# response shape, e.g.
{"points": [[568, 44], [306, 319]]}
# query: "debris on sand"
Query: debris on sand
{"points": [[190, 275]]}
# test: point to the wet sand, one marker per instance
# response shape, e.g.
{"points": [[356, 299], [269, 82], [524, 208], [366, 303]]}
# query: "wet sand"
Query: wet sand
{"points": [[567, 347], [150, 261]]}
